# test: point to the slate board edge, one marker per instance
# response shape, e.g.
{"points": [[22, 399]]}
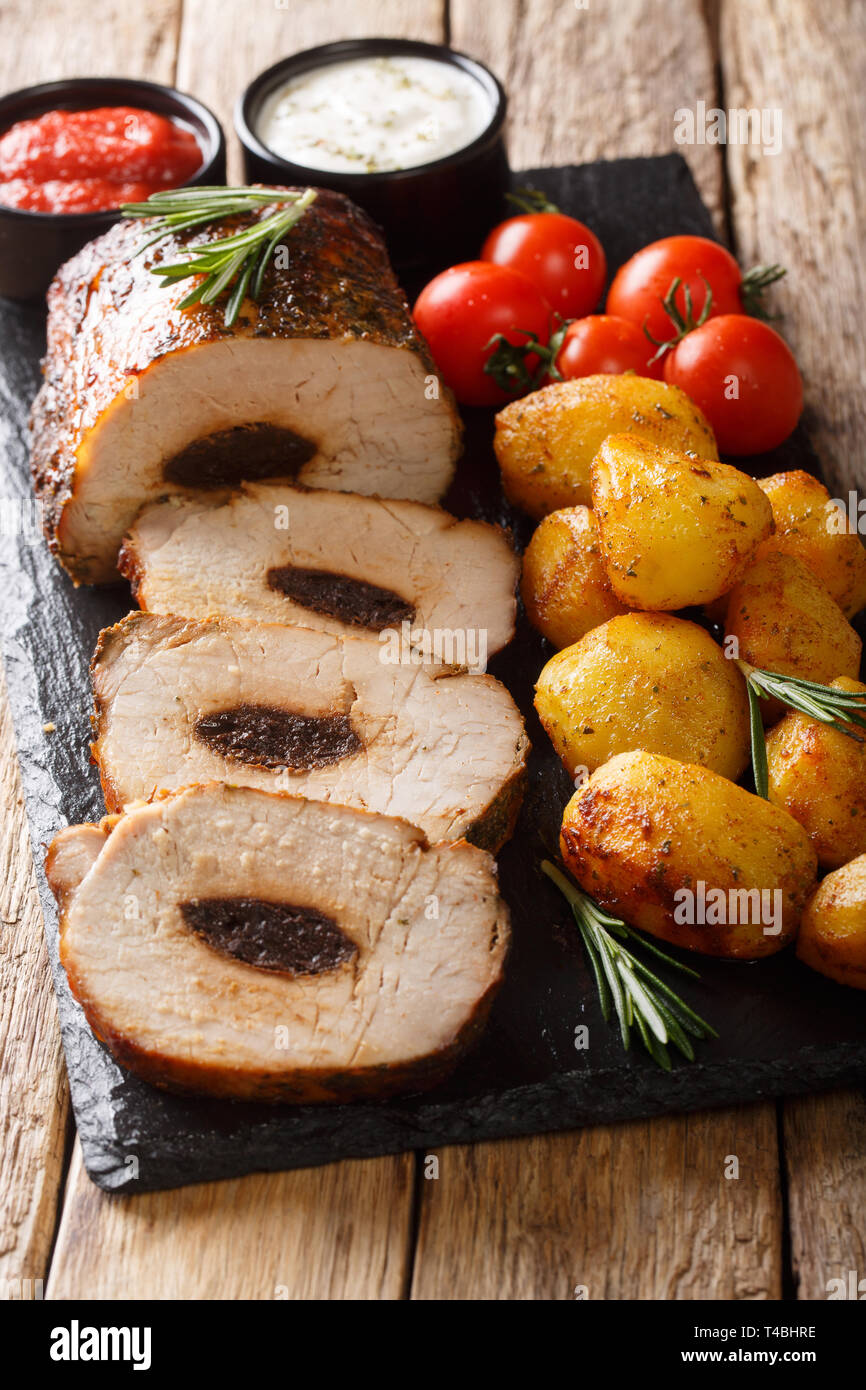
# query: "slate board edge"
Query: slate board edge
{"points": [[630, 1091]]}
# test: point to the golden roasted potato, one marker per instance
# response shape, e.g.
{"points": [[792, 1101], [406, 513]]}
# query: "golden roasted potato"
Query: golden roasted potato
{"points": [[650, 681], [546, 442], [832, 938], [784, 620], [683, 853], [675, 530], [811, 528], [564, 584], [819, 775]]}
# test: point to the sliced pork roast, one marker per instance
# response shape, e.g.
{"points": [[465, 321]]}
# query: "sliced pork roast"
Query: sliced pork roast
{"points": [[240, 943], [324, 380], [329, 560], [306, 712]]}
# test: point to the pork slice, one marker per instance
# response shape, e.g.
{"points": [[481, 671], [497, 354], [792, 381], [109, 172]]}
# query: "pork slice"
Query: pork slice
{"points": [[326, 717], [333, 561], [240, 943], [323, 380]]}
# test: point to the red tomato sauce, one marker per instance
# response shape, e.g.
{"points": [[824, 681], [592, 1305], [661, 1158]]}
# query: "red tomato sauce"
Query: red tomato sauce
{"points": [[89, 161]]}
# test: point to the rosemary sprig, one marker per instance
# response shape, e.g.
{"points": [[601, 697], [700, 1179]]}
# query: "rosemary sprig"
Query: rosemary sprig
{"points": [[233, 265], [838, 708], [627, 986]]}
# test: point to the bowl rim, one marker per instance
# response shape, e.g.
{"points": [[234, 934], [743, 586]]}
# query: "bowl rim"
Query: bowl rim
{"points": [[323, 55], [210, 125]]}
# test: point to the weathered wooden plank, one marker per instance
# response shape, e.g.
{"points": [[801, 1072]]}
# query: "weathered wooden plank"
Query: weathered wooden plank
{"points": [[804, 206], [596, 81], [33, 1096], [825, 1159], [643, 1210], [222, 47], [97, 38], [340, 1232], [88, 38]]}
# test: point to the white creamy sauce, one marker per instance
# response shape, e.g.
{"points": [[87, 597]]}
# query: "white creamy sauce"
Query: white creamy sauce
{"points": [[370, 115]]}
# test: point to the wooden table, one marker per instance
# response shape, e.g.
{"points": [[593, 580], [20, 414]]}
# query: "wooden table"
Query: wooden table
{"points": [[640, 1210]]}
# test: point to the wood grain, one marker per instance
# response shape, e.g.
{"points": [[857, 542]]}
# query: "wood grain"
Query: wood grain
{"points": [[87, 38], [596, 81], [340, 1232], [825, 1157], [804, 206], [111, 37], [33, 1095], [640, 1210], [244, 38]]}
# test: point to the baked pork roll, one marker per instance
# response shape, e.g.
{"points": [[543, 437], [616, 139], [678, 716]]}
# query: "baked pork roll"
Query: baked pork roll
{"points": [[320, 716], [329, 560], [239, 943], [324, 379]]}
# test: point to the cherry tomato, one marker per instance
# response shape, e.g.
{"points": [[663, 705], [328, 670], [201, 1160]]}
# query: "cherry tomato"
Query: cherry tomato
{"points": [[744, 378], [562, 258], [602, 343], [460, 311], [640, 285]]}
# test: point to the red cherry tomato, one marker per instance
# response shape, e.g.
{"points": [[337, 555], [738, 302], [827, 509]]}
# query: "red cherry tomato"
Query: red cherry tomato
{"points": [[640, 285], [744, 378], [561, 256], [602, 343], [460, 311]]}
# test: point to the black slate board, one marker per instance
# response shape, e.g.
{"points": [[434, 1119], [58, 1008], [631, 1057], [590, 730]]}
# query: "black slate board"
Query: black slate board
{"points": [[783, 1029]]}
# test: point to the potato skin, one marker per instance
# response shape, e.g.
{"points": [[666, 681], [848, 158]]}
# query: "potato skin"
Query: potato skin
{"points": [[784, 620], [546, 442], [819, 775], [645, 680], [832, 938], [675, 530], [564, 584], [644, 828], [800, 512]]}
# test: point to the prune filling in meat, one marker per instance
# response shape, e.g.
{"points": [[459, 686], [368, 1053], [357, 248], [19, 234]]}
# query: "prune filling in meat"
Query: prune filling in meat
{"points": [[350, 601], [243, 453], [280, 937], [266, 736]]}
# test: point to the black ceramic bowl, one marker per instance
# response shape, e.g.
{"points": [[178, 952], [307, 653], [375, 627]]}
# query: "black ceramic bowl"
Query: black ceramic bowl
{"points": [[34, 244], [432, 214]]}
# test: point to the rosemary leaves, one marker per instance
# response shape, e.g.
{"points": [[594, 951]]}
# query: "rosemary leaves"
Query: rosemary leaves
{"points": [[233, 265]]}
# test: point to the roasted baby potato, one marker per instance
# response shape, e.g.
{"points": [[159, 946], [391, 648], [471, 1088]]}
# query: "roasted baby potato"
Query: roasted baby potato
{"points": [[832, 937], [683, 853], [564, 584], [546, 442], [809, 527], [784, 620], [675, 530], [645, 680], [819, 775]]}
